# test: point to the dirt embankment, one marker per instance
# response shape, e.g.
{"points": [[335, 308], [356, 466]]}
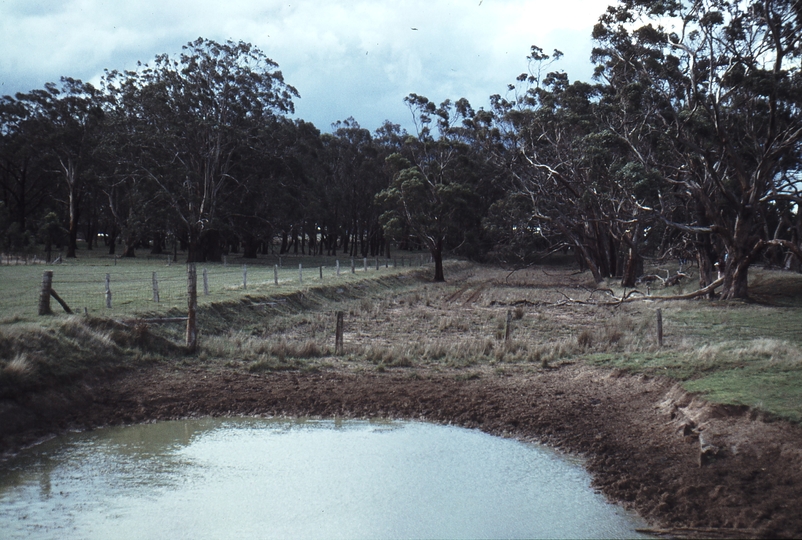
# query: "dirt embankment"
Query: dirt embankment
{"points": [[682, 464]]}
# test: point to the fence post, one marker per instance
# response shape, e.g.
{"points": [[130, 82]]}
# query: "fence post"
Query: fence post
{"points": [[108, 291], [659, 327], [338, 336], [244, 276], [338, 267], [377, 263], [321, 273], [300, 273], [205, 283], [44, 296], [155, 288], [365, 264], [275, 274], [192, 307], [353, 266]]}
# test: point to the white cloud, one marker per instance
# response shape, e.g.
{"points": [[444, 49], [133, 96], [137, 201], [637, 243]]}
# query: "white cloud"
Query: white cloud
{"points": [[347, 58]]}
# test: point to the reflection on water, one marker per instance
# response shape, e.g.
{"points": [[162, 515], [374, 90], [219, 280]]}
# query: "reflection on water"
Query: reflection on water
{"points": [[256, 478]]}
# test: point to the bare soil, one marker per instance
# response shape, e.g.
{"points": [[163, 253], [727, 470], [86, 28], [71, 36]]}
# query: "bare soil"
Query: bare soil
{"points": [[643, 438]]}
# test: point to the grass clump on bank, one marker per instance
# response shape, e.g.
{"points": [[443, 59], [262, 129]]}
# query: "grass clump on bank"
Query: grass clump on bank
{"points": [[34, 357]]}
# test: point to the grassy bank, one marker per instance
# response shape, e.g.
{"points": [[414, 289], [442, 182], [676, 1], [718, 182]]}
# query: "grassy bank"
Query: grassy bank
{"points": [[731, 352]]}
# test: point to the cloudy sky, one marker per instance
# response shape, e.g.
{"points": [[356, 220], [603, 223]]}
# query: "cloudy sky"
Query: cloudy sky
{"points": [[346, 57]]}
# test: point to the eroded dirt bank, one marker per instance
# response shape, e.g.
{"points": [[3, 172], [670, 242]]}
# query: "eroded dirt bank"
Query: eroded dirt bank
{"points": [[682, 464]]}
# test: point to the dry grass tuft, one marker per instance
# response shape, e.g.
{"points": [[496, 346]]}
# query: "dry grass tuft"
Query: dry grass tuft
{"points": [[20, 367]]}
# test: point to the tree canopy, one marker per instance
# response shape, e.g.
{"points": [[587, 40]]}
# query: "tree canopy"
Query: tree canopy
{"points": [[686, 145]]}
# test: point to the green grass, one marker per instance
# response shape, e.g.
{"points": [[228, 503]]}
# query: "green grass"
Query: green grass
{"points": [[81, 282]]}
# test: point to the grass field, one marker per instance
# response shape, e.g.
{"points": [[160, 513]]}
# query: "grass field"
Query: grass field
{"points": [[81, 282], [731, 352]]}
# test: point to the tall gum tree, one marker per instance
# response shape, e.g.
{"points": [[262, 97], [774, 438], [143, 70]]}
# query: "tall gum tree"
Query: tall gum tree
{"points": [[430, 191], [713, 95], [197, 112]]}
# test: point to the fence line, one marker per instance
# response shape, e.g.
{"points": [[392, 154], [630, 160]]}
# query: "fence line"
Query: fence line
{"points": [[147, 286]]}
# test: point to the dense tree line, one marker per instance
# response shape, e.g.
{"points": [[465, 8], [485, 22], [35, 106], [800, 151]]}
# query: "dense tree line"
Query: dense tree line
{"points": [[687, 145]]}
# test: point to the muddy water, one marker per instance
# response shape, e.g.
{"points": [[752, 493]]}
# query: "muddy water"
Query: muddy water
{"points": [[256, 478]]}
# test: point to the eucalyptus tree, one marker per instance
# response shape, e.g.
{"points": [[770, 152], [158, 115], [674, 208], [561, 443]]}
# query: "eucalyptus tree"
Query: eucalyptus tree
{"points": [[710, 102], [356, 163], [430, 194], [569, 178], [197, 113], [66, 122]]}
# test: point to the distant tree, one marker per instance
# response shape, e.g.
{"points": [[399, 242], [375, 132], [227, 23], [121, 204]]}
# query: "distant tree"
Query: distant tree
{"points": [[430, 192], [66, 123]]}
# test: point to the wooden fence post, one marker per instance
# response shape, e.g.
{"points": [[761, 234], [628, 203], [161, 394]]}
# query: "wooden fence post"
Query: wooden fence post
{"points": [[338, 267], [108, 291], [365, 264], [275, 274], [192, 308], [244, 277], [44, 295], [338, 336], [321, 273], [659, 327], [205, 282], [155, 288], [353, 266], [377, 263], [300, 273]]}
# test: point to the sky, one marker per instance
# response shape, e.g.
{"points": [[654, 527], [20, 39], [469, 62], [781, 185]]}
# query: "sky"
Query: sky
{"points": [[346, 58]]}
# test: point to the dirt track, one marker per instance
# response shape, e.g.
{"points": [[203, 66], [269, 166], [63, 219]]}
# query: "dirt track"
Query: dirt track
{"points": [[642, 437]]}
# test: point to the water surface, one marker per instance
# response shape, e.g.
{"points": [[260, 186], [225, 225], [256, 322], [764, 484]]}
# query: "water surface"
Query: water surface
{"points": [[258, 478]]}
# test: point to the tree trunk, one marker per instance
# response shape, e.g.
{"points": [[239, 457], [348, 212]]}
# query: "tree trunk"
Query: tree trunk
{"points": [[72, 237], [633, 269], [249, 247], [437, 255]]}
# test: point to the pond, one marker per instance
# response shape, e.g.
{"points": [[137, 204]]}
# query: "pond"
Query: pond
{"points": [[268, 478]]}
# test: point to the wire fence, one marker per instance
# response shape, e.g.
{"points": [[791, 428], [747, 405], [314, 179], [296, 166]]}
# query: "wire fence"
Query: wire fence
{"points": [[111, 286]]}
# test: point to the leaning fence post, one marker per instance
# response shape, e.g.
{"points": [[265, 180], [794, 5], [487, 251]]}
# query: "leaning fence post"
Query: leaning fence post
{"points": [[338, 336], [44, 296], [155, 288], [192, 307], [108, 291], [205, 283], [659, 327]]}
